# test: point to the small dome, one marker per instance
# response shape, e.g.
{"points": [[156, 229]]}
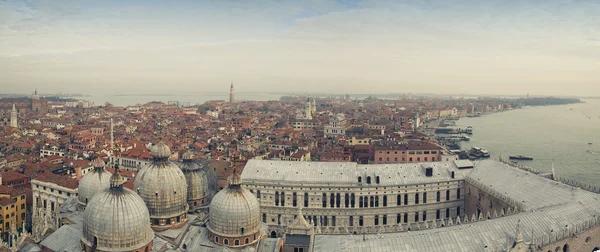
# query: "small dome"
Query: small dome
{"points": [[163, 187], [97, 163], [234, 212], [95, 181], [116, 219], [160, 151]]}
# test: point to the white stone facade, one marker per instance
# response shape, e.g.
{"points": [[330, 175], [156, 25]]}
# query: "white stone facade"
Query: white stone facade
{"points": [[358, 207]]}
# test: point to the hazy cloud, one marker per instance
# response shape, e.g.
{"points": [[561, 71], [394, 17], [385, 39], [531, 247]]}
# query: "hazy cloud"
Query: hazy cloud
{"points": [[345, 46]]}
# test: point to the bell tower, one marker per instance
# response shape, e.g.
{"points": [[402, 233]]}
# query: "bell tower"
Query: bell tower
{"points": [[13, 117], [231, 94]]}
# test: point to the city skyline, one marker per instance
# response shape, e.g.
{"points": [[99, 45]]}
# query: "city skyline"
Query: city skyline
{"points": [[496, 47]]}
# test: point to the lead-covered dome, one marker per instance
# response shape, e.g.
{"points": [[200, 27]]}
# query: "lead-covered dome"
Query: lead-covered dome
{"points": [[234, 215], [163, 187], [96, 181], [116, 219], [197, 182]]}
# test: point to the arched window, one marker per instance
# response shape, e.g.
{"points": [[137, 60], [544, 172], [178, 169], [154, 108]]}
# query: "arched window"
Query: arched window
{"points": [[424, 216], [305, 199], [376, 201], [416, 198], [277, 198], [405, 217], [447, 212], [242, 231], [371, 202], [437, 196], [282, 199], [246, 241], [359, 179], [437, 214], [216, 239], [565, 248], [236, 242], [360, 202], [384, 200], [324, 200], [351, 221], [264, 217], [258, 194], [377, 180], [398, 199], [416, 216], [337, 200], [332, 200], [352, 200], [405, 199], [360, 221], [294, 199], [376, 219], [226, 241], [447, 194], [346, 200], [274, 234], [424, 197], [368, 179], [458, 193]]}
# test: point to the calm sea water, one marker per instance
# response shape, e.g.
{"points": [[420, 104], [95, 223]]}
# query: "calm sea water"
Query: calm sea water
{"points": [[561, 133]]}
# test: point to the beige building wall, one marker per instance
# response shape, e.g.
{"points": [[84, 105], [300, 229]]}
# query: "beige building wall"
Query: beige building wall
{"points": [[386, 207]]}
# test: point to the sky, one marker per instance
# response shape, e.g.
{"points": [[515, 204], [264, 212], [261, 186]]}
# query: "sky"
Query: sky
{"points": [[549, 47]]}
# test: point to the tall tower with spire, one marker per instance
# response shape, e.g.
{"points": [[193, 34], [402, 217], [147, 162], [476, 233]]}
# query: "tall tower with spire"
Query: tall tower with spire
{"points": [[231, 95], [13, 117]]}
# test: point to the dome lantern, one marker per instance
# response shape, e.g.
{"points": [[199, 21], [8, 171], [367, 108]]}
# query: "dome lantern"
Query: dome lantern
{"points": [[116, 181], [160, 151]]}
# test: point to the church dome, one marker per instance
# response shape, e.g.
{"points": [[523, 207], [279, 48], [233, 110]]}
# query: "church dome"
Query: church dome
{"points": [[94, 182], [234, 215], [163, 187], [116, 219], [197, 182]]}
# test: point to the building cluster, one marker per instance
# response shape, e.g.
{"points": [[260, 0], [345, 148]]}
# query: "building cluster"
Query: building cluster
{"points": [[299, 174]]}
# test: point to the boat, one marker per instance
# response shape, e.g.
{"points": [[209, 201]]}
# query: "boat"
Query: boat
{"points": [[485, 153], [477, 152], [520, 157], [469, 130]]}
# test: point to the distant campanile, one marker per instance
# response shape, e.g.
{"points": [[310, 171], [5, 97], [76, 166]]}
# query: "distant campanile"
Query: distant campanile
{"points": [[231, 93]]}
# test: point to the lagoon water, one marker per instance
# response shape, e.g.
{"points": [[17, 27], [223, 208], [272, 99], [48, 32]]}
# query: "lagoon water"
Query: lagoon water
{"points": [[560, 133]]}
